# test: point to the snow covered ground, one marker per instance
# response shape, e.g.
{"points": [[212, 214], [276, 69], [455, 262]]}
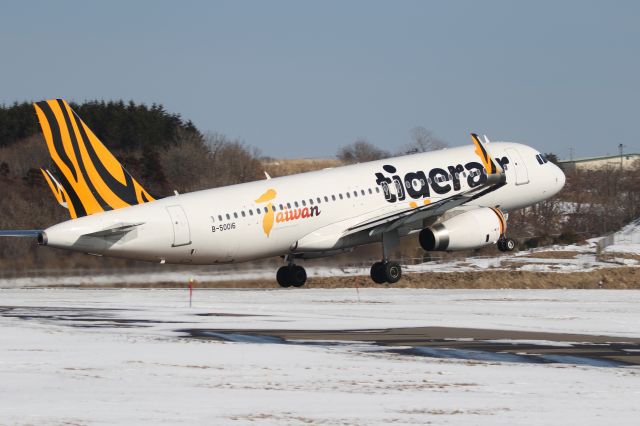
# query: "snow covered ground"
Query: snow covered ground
{"points": [[119, 357]]}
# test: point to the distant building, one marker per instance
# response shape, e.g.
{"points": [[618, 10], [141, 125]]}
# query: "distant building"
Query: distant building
{"points": [[626, 161]]}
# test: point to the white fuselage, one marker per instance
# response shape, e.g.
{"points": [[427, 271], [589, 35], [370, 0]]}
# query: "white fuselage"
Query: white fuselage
{"points": [[305, 212]]}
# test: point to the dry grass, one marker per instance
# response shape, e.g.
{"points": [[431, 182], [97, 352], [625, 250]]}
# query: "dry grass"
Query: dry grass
{"points": [[612, 278], [285, 167], [554, 255], [611, 257]]}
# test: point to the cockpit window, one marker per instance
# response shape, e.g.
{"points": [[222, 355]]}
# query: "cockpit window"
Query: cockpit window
{"points": [[542, 159]]}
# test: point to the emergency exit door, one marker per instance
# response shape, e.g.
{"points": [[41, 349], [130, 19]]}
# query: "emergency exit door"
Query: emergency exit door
{"points": [[181, 231]]}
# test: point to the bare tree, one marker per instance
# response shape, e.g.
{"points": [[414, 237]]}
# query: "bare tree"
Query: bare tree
{"points": [[423, 140], [361, 151]]}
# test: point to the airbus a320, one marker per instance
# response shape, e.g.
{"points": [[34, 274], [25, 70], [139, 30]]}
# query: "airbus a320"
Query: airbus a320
{"points": [[455, 199]]}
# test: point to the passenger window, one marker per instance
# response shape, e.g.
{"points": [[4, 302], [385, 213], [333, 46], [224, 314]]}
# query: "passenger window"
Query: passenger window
{"points": [[310, 201], [220, 217], [340, 195], [333, 197], [370, 191], [326, 199], [281, 207], [266, 210], [303, 203], [348, 195], [250, 212], [288, 205], [235, 215], [228, 217], [319, 200], [377, 189], [355, 193], [242, 213]]}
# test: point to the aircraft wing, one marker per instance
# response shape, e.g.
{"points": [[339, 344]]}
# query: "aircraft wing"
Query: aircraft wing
{"points": [[396, 220], [495, 179]]}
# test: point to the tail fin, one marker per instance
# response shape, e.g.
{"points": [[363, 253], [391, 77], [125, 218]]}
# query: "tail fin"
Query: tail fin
{"points": [[56, 188], [91, 179]]}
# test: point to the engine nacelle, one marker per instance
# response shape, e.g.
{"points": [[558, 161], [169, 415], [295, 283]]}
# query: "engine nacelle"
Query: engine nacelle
{"points": [[469, 230]]}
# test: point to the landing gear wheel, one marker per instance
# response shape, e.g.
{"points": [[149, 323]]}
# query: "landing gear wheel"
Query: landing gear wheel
{"points": [[298, 276], [291, 275], [506, 244], [282, 276], [378, 274], [393, 272], [509, 244]]}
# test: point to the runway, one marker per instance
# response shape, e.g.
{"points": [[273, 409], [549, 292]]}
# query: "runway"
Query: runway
{"points": [[319, 357], [464, 343]]}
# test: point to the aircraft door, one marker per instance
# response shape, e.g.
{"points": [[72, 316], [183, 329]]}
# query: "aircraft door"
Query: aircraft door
{"points": [[519, 166], [181, 231]]}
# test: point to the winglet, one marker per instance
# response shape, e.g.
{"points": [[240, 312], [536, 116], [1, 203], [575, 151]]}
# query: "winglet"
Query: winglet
{"points": [[489, 163]]}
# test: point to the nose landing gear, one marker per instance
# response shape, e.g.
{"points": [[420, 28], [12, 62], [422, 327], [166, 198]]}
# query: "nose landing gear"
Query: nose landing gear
{"points": [[506, 244]]}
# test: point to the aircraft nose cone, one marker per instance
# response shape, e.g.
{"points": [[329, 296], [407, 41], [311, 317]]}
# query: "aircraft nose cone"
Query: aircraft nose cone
{"points": [[560, 178]]}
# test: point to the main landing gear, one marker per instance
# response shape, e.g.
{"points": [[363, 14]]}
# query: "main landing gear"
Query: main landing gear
{"points": [[291, 275], [387, 271], [506, 244]]}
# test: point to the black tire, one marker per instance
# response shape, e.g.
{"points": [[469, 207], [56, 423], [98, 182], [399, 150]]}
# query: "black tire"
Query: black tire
{"points": [[298, 276], [283, 276], [500, 245], [393, 272], [378, 273], [509, 244]]}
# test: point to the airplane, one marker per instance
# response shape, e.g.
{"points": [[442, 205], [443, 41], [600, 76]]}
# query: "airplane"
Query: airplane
{"points": [[454, 199]]}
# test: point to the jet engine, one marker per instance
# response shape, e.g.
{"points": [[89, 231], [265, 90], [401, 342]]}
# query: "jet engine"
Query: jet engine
{"points": [[469, 230]]}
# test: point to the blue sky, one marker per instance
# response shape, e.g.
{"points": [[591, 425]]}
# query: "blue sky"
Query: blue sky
{"points": [[300, 78]]}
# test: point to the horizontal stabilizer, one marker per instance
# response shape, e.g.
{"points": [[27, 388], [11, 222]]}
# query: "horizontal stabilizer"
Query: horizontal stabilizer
{"points": [[34, 233], [115, 230]]}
